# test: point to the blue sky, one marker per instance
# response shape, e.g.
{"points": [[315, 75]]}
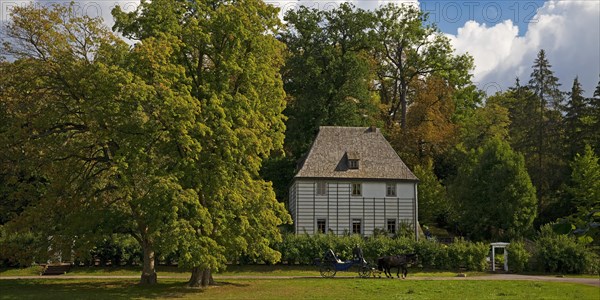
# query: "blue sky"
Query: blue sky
{"points": [[451, 15]]}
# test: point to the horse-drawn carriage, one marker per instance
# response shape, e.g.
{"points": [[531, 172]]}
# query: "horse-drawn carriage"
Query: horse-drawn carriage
{"points": [[331, 264]]}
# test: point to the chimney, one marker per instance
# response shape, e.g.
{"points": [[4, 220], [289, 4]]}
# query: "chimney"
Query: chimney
{"points": [[372, 128]]}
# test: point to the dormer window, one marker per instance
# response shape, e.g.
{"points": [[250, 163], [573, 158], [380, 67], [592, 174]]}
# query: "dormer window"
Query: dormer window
{"points": [[352, 160]]}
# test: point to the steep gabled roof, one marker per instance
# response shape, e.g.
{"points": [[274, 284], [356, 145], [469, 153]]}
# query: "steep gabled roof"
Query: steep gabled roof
{"points": [[328, 157]]}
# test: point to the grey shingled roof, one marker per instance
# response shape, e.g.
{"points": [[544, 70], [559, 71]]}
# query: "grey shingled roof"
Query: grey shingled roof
{"points": [[328, 157]]}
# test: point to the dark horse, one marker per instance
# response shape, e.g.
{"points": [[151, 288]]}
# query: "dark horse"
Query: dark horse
{"points": [[385, 263]]}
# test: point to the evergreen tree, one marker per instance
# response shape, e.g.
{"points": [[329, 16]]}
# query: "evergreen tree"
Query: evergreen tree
{"points": [[576, 121], [547, 174], [594, 103], [543, 82]]}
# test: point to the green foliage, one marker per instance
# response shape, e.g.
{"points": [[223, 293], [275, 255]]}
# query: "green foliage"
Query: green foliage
{"points": [[432, 254], [494, 193], [430, 130], [279, 171], [231, 62], [163, 140], [563, 253], [460, 254], [21, 248], [468, 255], [328, 72], [434, 205], [536, 131], [543, 82], [117, 249], [485, 123], [408, 49], [594, 113], [518, 257], [577, 121], [584, 187]]}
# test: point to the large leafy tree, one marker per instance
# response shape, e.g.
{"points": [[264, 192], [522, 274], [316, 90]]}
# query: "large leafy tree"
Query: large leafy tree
{"points": [[431, 131], [105, 127], [328, 73], [231, 62], [408, 50], [137, 141], [495, 196]]}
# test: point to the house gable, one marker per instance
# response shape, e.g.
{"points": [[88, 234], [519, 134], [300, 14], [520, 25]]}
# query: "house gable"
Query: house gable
{"points": [[353, 152]]}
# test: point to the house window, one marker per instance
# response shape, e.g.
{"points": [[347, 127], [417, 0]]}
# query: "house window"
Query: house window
{"points": [[321, 188], [391, 225], [356, 189], [356, 226], [353, 164], [321, 225], [390, 189]]}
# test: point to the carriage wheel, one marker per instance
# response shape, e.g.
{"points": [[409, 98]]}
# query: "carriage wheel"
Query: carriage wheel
{"points": [[327, 270], [364, 272]]}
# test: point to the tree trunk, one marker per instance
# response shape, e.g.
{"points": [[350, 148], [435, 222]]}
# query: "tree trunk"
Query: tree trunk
{"points": [[148, 272], [403, 93], [201, 278]]}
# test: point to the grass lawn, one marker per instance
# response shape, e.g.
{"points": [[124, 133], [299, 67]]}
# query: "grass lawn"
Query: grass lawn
{"points": [[340, 288]]}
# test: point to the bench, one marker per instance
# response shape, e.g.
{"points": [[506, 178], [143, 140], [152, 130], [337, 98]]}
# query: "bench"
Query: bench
{"points": [[55, 269]]}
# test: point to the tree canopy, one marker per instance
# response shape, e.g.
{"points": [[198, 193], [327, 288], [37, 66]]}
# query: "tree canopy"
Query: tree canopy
{"points": [[495, 195], [140, 141]]}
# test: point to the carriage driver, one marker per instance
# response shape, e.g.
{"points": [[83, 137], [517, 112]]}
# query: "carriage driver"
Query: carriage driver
{"points": [[358, 254]]}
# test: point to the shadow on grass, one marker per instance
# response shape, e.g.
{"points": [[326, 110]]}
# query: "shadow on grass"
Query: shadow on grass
{"points": [[98, 289], [267, 268]]}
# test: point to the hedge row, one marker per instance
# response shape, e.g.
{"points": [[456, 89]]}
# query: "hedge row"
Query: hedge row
{"points": [[303, 249], [550, 252]]}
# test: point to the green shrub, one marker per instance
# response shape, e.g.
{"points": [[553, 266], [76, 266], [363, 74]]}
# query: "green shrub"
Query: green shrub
{"points": [[468, 255], [432, 254], [563, 253], [21, 249], [402, 244], [518, 257], [377, 246]]}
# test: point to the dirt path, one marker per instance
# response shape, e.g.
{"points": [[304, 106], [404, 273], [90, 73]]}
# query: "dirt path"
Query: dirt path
{"points": [[586, 281]]}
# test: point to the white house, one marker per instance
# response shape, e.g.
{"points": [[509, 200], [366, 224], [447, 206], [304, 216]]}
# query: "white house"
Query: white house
{"points": [[352, 181]]}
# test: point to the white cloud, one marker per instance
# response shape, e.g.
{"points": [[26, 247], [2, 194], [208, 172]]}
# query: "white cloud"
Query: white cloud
{"points": [[569, 31]]}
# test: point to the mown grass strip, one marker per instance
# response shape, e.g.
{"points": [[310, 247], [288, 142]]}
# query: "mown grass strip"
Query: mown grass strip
{"points": [[294, 289]]}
